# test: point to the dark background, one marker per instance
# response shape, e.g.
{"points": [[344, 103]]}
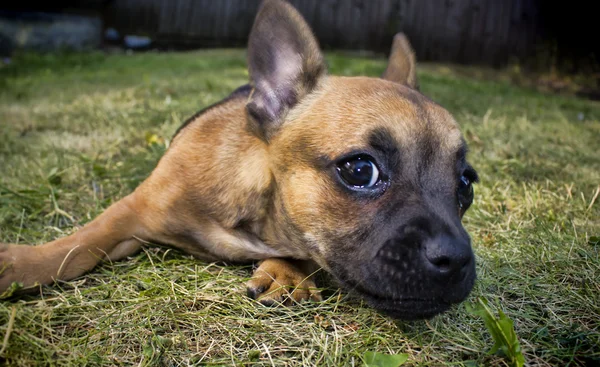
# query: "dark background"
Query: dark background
{"points": [[538, 34]]}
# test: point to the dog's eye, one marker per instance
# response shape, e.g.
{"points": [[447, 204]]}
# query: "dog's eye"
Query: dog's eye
{"points": [[359, 171], [465, 191]]}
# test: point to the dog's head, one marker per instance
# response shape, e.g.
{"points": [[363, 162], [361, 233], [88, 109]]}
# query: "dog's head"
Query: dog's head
{"points": [[370, 176]]}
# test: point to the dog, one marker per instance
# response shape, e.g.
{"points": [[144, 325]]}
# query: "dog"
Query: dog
{"points": [[365, 178]]}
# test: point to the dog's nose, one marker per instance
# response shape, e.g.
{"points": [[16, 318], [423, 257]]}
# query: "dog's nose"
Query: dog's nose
{"points": [[447, 255]]}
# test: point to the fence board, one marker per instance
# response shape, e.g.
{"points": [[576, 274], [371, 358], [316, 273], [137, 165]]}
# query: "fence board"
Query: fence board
{"points": [[466, 31]]}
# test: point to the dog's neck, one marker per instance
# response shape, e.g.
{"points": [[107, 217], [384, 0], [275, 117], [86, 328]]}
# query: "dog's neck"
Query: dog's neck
{"points": [[244, 182]]}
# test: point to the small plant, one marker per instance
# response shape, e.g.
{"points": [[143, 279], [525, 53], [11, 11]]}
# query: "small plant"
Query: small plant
{"points": [[374, 359], [502, 330]]}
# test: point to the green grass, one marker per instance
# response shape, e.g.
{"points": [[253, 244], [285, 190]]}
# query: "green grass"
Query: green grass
{"points": [[76, 134]]}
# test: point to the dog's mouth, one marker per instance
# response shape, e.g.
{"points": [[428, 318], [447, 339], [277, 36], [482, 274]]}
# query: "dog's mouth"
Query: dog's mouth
{"points": [[404, 308], [409, 277], [407, 308]]}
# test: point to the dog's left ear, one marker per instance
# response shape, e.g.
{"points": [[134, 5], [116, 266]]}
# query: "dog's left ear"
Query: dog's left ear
{"points": [[402, 65], [285, 65]]}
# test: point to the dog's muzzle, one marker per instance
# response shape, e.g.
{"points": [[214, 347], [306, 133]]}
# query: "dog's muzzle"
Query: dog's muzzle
{"points": [[415, 274]]}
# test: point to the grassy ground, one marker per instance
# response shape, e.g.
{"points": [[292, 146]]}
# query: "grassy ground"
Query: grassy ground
{"points": [[78, 132]]}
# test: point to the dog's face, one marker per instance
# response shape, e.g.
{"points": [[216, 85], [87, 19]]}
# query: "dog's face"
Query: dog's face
{"points": [[373, 177], [370, 175]]}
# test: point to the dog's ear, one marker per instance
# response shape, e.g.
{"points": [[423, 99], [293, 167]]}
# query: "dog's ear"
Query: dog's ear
{"points": [[285, 65], [402, 65]]}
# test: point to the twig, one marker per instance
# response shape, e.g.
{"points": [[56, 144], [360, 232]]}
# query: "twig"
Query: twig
{"points": [[9, 327], [594, 198]]}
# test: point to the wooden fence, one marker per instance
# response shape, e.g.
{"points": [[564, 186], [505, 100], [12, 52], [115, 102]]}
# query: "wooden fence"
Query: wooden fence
{"points": [[464, 31]]}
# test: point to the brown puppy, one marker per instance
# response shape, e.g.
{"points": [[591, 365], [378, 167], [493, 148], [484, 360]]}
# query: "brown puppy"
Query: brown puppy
{"points": [[363, 177]]}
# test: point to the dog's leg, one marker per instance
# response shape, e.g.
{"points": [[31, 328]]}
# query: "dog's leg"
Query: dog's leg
{"points": [[109, 236], [283, 281]]}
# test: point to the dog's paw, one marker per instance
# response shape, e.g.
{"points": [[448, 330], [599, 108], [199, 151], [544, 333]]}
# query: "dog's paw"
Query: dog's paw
{"points": [[6, 264], [14, 276], [277, 281]]}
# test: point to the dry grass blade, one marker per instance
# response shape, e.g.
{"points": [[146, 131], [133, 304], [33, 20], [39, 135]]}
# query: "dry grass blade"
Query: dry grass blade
{"points": [[9, 329]]}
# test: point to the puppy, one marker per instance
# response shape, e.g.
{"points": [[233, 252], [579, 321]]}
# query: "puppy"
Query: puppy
{"points": [[365, 178]]}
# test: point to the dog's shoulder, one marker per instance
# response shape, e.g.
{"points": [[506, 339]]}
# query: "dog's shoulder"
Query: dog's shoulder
{"points": [[240, 92]]}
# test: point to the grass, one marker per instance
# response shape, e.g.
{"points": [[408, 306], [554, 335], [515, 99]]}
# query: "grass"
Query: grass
{"points": [[78, 132]]}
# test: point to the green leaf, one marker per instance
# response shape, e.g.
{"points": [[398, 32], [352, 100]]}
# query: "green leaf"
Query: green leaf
{"points": [[54, 178], [148, 351], [154, 349], [594, 241], [374, 359], [254, 355], [14, 287], [98, 170], [53, 171], [502, 330]]}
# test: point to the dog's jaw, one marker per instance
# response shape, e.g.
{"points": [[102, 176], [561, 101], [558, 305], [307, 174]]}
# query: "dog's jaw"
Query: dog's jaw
{"points": [[403, 289]]}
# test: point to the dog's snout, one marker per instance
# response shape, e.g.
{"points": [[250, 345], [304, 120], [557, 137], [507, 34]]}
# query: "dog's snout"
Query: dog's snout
{"points": [[447, 255]]}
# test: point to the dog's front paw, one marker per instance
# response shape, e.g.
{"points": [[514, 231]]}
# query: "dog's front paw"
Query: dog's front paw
{"points": [[7, 281], [278, 281], [17, 275]]}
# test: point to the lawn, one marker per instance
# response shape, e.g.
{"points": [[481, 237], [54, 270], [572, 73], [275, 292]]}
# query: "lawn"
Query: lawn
{"points": [[78, 132]]}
